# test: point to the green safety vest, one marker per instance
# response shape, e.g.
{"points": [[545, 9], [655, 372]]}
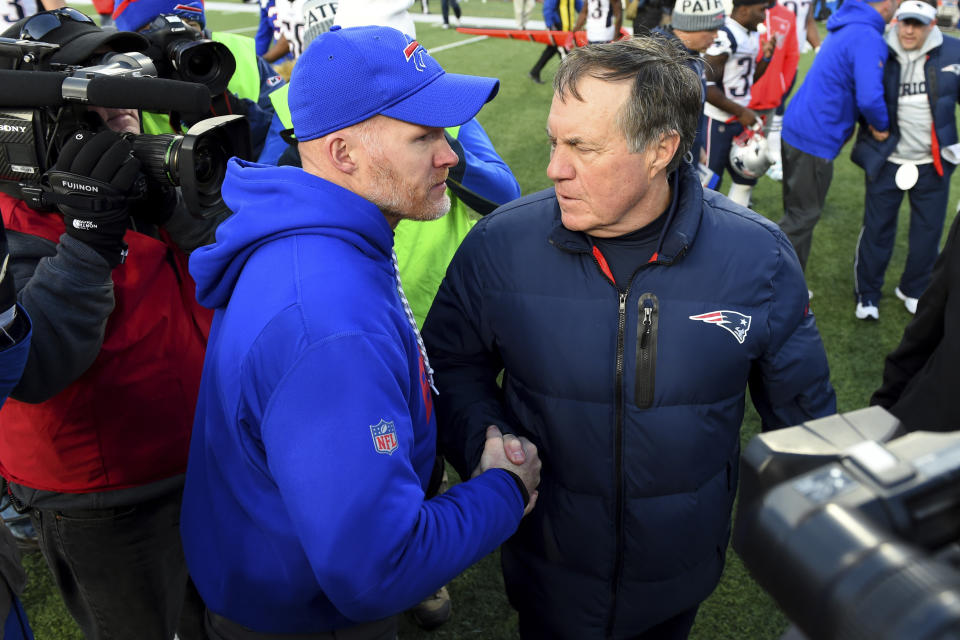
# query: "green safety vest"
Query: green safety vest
{"points": [[424, 249], [280, 106], [245, 81]]}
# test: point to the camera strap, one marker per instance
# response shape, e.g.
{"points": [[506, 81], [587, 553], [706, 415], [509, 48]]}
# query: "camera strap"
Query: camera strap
{"points": [[81, 192]]}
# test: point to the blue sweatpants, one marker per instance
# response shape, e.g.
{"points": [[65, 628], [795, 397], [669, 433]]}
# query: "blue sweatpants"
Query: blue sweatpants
{"points": [[928, 209], [719, 137]]}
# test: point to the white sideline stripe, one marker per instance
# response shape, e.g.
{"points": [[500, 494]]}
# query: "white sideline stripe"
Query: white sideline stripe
{"points": [[467, 21], [238, 30], [460, 43]]}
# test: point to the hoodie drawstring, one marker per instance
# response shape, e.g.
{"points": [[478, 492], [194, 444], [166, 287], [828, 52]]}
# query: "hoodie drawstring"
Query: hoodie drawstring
{"points": [[412, 321]]}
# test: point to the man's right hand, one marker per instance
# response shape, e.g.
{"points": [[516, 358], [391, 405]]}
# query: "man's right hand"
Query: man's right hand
{"points": [[747, 118], [516, 455], [879, 136], [99, 172]]}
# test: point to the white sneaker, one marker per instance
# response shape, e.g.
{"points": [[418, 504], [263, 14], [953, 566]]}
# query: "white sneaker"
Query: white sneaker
{"points": [[908, 302], [867, 311], [775, 172], [457, 21]]}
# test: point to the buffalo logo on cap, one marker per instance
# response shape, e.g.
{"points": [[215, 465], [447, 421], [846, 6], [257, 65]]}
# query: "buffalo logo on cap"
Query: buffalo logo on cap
{"points": [[415, 52]]}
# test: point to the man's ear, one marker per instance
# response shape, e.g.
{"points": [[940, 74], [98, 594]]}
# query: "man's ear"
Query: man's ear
{"points": [[664, 150], [341, 153]]}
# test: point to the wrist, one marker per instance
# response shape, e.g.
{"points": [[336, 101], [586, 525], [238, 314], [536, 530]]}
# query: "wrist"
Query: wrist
{"points": [[524, 494]]}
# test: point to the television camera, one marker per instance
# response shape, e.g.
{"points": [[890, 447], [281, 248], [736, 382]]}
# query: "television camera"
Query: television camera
{"points": [[46, 106], [852, 526]]}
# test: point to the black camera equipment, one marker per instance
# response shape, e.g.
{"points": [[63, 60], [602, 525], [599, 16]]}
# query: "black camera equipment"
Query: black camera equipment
{"points": [[182, 53], [48, 106], [852, 532]]}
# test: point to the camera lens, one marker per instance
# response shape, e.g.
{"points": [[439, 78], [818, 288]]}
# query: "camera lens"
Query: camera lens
{"points": [[159, 156], [202, 61], [209, 165]]}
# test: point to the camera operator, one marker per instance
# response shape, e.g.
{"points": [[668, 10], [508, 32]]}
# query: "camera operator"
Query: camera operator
{"points": [[95, 436], [251, 87], [920, 375]]}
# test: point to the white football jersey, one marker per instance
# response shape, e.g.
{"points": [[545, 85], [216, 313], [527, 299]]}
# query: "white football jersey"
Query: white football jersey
{"points": [[13, 10], [741, 48], [292, 23], [599, 21], [799, 8]]}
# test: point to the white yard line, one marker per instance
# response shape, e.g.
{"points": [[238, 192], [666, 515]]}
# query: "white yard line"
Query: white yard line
{"points": [[459, 43]]}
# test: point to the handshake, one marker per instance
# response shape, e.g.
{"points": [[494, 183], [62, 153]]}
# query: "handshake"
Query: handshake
{"points": [[513, 454]]}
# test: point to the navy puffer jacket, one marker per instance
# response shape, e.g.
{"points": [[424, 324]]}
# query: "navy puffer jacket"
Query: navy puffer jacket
{"points": [[635, 400]]}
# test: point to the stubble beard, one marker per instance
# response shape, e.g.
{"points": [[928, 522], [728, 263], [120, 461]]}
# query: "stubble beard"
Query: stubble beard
{"points": [[398, 198]]}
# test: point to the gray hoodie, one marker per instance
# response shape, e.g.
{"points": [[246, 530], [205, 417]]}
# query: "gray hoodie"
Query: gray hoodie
{"points": [[913, 106]]}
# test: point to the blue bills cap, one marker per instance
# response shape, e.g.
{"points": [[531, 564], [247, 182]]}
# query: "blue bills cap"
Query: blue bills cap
{"points": [[346, 76]]}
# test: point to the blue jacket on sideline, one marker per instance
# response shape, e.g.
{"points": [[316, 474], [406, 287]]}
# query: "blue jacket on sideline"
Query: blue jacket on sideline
{"points": [[844, 82], [634, 400], [942, 73], [315, 437]]}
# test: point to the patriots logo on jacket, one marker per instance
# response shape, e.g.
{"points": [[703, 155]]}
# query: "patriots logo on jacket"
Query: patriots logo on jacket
{"points": [[952, 68], [384, 436], [415, 51], [736, 323]]}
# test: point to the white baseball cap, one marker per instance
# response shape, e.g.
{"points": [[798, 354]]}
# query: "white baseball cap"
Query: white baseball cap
{"points": [[916, 9]]}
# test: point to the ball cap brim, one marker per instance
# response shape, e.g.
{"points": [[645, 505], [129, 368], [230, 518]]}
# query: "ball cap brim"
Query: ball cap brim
{"points": [[916, 10], [448, 101], [79, 40], [83, 46], [350, 75]]}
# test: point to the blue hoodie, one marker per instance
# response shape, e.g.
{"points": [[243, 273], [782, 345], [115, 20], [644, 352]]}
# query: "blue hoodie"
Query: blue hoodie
{"points": [[845, 82], [315, 438]]}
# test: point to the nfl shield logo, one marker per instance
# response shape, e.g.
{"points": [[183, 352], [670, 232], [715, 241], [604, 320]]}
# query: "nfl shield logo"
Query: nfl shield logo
{"points": [[384, 436]]}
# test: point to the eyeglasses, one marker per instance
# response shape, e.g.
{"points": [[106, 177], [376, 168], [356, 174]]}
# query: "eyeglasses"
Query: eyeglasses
{"points": [[38, 26]]}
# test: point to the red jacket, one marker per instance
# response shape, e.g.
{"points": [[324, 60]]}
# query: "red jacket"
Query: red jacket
{"points": [[770, 88], [126, 421]]}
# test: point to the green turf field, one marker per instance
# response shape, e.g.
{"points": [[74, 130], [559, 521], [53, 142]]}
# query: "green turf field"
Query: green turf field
{"points": [[515, 122]]}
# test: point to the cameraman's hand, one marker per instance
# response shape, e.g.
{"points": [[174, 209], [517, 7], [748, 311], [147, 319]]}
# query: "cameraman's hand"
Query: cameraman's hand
{"points": [[157, 204], [516, 455], [98, 172]]}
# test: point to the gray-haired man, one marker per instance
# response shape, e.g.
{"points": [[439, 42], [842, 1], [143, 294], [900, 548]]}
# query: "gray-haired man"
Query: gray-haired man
{"points": [[627, 317]]}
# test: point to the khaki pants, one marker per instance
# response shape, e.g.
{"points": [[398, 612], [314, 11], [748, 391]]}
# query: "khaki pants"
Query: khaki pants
{"points": [[522, 10]]}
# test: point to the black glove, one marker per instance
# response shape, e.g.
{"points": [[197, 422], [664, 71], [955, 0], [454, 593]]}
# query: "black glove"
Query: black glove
{"points": [[157, 204], [92, 181], [8, 293]]}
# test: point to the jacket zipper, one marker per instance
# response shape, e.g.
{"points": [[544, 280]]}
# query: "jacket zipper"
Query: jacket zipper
{"points": [[618, 459], [618, 430], [646, 350]]}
